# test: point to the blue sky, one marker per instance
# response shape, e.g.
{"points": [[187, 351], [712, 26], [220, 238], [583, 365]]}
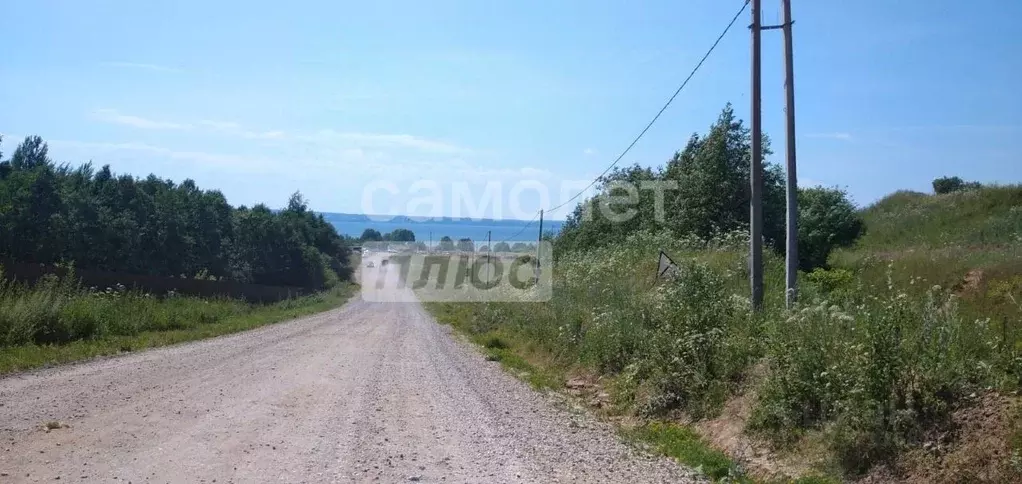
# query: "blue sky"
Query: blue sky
{"points": [[260, 98]]}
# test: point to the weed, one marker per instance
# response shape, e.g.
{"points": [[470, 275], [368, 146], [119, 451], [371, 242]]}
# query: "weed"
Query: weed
{"points": [[58, 321], [496, 343], [685, 445]]}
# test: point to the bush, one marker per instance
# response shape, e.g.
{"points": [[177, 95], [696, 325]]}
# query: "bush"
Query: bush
{"points": [[836, 284], [952, 184], [827, 220], [880, 372]]}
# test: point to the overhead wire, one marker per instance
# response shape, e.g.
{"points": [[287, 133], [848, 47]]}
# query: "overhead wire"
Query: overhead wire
{"points": [[648, 125]]}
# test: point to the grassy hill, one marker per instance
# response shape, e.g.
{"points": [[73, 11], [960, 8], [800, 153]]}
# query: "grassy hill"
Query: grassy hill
{"points": [[902, 361], [969, 241]]}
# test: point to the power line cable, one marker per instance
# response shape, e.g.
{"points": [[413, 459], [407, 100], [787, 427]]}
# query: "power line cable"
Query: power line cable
{"points": [[648, 125], [666, 105], [534, 217]]}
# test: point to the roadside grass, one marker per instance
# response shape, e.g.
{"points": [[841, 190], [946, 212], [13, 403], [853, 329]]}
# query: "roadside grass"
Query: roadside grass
{"points": [[689, 448], [881, 350], [532, 363], [521, 357], [884, 347], [59, 322]]}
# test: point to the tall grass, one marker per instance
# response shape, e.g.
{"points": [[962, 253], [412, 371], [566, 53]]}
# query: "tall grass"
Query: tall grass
{"points": [[58, 320], [868, 361], [58, 311]]}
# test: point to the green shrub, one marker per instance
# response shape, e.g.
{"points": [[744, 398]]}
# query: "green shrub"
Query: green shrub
{"points": [[827, 220], [832, 280], [952, 184], [876, 375], [691, 317]]}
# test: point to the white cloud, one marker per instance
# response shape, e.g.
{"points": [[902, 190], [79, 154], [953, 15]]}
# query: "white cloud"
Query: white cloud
{"points": [[114, 117], [588, 152], [387, 140], [325, 137], [182, 155], [142, 65], [235, 129]]}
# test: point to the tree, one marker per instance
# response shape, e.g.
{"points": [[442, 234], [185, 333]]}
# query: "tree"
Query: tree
{"points": [[484, 248], [98, 220], [712, 174], [371, 235], [421, 246], [402, 235], [827, 220], [446, 243], [953, 184], [501, 247], [520, 247], [466, 245], [625, 204], [705, 189]]}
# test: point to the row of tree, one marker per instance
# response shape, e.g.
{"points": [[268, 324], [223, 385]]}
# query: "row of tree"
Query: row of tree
{"points": [[398, 235], [467, 245], [706, 192], [95, 219], [406, 238]]}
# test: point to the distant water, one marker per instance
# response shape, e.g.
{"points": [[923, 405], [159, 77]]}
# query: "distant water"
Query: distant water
{"points": [[455, 229]]}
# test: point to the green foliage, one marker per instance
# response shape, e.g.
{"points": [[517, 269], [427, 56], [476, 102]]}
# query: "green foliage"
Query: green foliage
{"points": [[57, 321], [827, 219], [400, 235], [371, 235], [982, 217], [877, 373], [705, 192], [952, 184], [687, 337], [446, 243], [870, 364], [58, 311], [466, 245], [713, 173], [52, 213], [690, 449], [835, 283], [501, 247]]}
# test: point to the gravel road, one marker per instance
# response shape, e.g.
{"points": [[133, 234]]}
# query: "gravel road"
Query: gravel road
{"points": [[370, 392]]}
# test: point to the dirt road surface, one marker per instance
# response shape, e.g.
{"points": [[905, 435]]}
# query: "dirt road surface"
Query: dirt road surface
{"points": [[370, 392]]}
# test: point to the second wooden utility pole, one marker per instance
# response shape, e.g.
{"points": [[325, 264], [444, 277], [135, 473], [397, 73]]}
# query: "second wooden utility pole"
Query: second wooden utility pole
{"points": [[539, 241], [791, 251], [756, 171]]}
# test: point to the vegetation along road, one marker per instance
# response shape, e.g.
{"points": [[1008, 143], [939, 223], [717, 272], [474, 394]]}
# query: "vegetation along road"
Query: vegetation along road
{"points": [[369, 391]]}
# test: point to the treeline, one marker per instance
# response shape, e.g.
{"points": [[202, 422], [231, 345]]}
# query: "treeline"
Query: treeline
{"points": [[705, 190], [58, 214], [446, 243]]}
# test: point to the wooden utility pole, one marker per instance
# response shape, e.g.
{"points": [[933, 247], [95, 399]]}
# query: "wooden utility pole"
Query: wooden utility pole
{"points": [[756, 171], [539, 241], [791, 251], [489, 250]]}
